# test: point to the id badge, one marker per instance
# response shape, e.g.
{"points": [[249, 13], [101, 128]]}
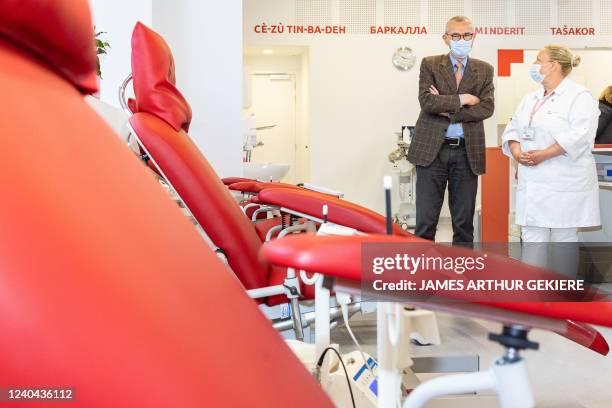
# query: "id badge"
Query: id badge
{"points": [[529, 133]]}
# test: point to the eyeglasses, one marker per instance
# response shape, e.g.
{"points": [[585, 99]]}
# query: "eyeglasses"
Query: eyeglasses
{"points": [[457, 37]]}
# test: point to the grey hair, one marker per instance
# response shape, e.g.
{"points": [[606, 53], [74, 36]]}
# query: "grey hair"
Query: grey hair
{"points": [[459, 19]]}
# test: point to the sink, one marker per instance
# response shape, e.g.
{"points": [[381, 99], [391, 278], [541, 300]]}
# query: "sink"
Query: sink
{"points": [[265, 171]]}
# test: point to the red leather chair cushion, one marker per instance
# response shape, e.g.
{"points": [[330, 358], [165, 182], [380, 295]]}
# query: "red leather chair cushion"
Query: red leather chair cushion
{"points": [[332, 255], [211, 203], [250, 210], [231, 180], [321, 254], [340, 211], [256, 186], [154, 79], [105, 286], [262, 227], [58, 32]]}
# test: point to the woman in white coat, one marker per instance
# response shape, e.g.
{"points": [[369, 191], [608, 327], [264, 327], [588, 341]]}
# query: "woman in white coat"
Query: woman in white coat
{"points": [[551, 136]]}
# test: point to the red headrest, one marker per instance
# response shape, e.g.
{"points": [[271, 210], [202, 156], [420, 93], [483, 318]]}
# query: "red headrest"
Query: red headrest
{"points": [[154, 81], [59, 32]]}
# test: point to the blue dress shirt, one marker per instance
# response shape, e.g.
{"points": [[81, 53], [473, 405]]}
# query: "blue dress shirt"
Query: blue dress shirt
{"points": [[455, 130]]}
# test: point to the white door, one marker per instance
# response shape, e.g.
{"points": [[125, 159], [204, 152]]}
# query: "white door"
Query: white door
{"points": [[274, 104]]}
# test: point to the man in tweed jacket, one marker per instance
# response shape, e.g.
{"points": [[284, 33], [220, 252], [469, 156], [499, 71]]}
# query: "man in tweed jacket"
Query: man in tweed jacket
{"points": [[448, 146]]}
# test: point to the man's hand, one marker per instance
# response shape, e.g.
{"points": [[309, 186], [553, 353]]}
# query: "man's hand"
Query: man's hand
{"points": [[468, 99], [434, 91]]}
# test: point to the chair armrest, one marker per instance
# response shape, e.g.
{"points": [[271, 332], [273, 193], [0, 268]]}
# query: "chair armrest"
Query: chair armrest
{"points": [[257, 186], [231, 180], [332, 255], [342, 212], [324, 190], [340, 257]]}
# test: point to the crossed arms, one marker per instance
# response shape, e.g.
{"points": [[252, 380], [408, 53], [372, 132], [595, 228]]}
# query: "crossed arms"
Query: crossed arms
{"points": [[458, 108]]}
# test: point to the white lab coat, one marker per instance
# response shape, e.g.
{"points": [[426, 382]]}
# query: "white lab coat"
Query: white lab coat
{"points": [[562, 192]]}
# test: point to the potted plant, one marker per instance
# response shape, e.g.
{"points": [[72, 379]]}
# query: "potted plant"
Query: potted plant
{"points": [[102, 47]]}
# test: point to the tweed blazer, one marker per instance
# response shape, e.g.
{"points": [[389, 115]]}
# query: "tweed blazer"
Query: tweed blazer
{"points": [[431, 127]]}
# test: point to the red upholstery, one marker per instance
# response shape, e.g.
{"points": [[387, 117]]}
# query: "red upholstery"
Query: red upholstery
{"points": [[154, 79], [339, 211], [250, 210], [57, 32], [184, 165], [262, 227], [257, 186], [105, 286], [587, 336], [321, 254], [205, 195], [231, 180], [210, 202]]}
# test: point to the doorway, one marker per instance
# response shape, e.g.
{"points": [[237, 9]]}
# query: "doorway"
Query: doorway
{"points": [[276, 94], [274, 107]]}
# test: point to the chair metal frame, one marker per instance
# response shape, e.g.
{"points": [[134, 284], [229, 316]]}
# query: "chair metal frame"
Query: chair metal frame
{"points": [[291, 285]]}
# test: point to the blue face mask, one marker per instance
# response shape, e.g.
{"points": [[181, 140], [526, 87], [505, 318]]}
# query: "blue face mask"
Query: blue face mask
{"points": [[461, 48], [535, 73]]}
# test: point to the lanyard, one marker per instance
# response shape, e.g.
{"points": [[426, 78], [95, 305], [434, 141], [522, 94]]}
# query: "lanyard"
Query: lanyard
{"points": [[537, 107]]}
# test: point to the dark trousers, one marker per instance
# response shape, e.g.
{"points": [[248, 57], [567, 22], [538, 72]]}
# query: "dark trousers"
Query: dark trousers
{"points": [[450, 167]]}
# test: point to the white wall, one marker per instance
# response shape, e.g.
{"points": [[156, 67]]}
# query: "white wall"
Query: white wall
{"points": [[206, 40], [117, 18], [593, 73], [358, 102], [358, 99]]}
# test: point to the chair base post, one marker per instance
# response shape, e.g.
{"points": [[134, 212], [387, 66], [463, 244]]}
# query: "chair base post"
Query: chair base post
{"points": [[296, 316]]}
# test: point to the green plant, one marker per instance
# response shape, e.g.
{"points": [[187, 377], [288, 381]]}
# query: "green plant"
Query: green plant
{"points": [[102, 47]]}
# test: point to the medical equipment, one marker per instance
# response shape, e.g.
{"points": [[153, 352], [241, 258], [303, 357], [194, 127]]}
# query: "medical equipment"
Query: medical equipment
{"points": [[364, 381], [250, 136], [406, 214], [346, 383], [159, 125], [507, 377], [363, 368], [359, 370], [604, 172]]}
